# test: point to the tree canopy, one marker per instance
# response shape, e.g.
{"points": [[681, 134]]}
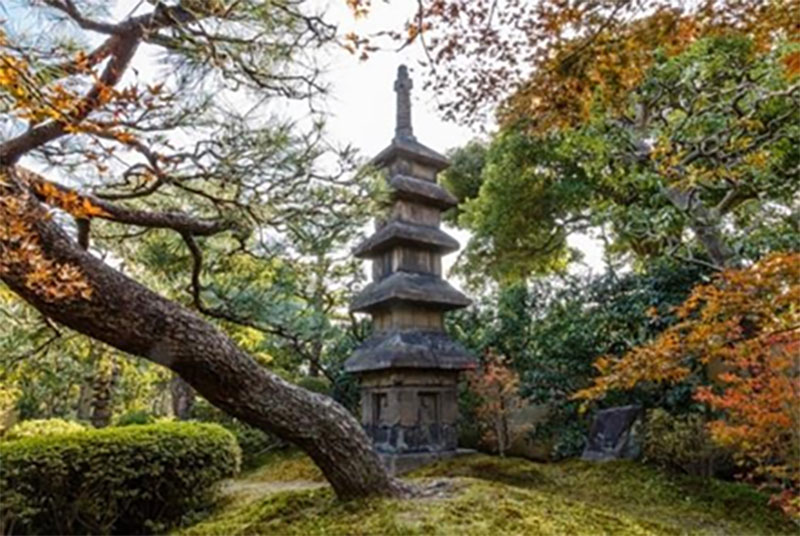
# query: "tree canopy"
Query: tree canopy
{"points": [[545, 60], [700, 164]]}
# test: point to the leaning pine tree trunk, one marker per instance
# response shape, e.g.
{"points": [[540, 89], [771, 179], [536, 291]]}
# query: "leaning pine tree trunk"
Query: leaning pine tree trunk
{"points": [[136, 320]]}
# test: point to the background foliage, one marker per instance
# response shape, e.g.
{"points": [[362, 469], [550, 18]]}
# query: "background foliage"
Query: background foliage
{"points": [[552, 331]]}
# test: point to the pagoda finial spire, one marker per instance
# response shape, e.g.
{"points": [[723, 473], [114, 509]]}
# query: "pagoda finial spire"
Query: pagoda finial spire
{"points": [[402, 87]]}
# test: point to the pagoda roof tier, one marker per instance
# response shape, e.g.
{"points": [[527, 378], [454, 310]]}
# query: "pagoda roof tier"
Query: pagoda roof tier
{"points": [[397, 232], [423, 289], [409, 349], [410, 148], [422, 191]]}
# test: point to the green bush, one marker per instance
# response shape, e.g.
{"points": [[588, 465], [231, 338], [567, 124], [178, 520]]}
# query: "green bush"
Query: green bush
{"points": [[131, 480], [252, 441], [135, 417], [683, 442], [42, 427], [316, 384], [469, 429]]}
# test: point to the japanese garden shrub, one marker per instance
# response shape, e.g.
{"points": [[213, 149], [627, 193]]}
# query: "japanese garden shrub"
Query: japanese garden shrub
{"points": [[682, 442], [42, 427], [469, 428], [252, 441], [316, 384], [131, 480], [134, 417]]}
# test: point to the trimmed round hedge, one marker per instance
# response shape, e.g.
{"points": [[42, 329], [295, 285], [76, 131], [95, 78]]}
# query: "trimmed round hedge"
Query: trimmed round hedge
{"points": [[42, 427], [132, 480]]}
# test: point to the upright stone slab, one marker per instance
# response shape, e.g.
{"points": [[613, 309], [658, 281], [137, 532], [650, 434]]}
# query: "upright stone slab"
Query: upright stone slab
{"points": [[408, 369], [612, 435]]}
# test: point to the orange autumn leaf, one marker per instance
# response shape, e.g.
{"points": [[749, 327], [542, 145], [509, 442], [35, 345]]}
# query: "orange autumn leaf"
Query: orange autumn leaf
{"points": [[21, 252], [69, 201], [791, 62], [497, 387]]}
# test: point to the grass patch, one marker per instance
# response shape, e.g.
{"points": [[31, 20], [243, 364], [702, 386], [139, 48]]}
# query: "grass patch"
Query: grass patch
{"points": [[284, 466], [510, 496], [665, 502]]}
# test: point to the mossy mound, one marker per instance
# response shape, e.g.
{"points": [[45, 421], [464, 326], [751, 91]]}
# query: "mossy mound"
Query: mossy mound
{"points": [[511, 496], [284, 466]]}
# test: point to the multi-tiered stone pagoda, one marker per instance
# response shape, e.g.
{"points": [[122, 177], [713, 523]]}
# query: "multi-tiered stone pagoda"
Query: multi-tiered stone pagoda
{"points": [[409, 368]]}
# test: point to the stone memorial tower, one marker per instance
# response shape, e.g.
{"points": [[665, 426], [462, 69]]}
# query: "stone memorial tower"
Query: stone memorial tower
{"points": [[408, 369]]}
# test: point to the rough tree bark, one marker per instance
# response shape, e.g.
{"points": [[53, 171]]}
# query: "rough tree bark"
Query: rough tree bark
{"points": [[136, 320]]}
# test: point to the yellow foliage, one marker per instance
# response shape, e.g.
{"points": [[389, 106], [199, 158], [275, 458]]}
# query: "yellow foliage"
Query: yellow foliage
{"points": [[69, 201], [792, 63], [21, 254]]}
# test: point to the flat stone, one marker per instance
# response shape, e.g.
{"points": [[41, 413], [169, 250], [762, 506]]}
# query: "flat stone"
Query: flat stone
{"points": [[410, 349], [424, 289], [401, 233]]}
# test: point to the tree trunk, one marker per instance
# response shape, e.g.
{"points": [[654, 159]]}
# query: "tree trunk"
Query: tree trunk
{"points": [[316, 347], [706, 226], [704, 222], [105, 379], [182, 396], [136, 320], [498, 432], [502, 426], [83, 409]]}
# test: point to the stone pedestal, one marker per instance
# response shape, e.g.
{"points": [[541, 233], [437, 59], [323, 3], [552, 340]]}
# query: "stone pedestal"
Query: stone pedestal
{"points": [[411, 411]]}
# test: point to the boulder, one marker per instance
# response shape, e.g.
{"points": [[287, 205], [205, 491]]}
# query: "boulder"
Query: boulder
{"points": [[613, 435]]}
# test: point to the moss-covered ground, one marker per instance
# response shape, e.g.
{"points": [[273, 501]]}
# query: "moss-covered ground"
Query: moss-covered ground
{"points": [[496, 496]]}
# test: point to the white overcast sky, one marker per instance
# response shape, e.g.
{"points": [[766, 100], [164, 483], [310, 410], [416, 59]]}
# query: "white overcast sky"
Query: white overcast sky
{"points": [[362, 97]]}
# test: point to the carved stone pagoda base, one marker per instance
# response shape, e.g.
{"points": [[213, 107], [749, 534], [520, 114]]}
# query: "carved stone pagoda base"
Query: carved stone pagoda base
{"points": [[411, 411]]}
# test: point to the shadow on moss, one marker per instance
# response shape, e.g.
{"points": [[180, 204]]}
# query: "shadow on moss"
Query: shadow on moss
{"points": [[511, 471]]}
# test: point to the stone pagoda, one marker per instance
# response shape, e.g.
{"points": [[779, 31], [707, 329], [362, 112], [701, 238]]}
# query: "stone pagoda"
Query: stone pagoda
{"points": [[408, 369]]}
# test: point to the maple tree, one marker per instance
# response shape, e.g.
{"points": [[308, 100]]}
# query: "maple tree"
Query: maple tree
{"points": [[740, 335], [168, 118], [547, 60], [497, 387]]}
